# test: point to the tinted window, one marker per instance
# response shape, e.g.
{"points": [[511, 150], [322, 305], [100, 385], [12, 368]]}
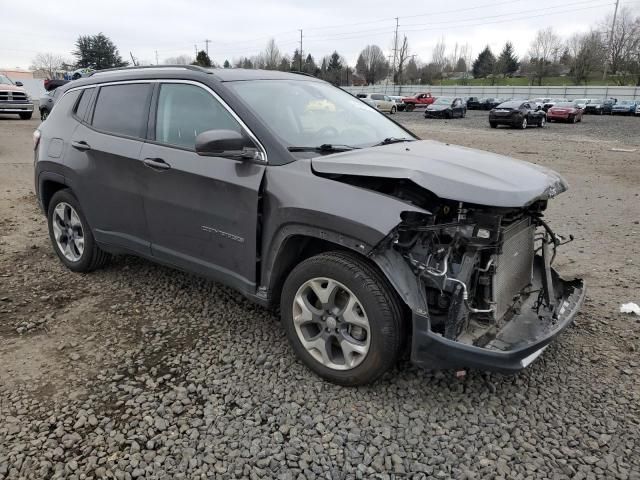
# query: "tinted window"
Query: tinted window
{"points": [[510, 105], [81, 108], [184, 111], [122, 109], [64, 105]]}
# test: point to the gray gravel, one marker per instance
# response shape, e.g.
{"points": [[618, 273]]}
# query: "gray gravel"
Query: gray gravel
{"points": [[139, 371]]}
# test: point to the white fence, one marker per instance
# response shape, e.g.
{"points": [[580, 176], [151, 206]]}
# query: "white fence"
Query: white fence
{"points": [[569, 92]]}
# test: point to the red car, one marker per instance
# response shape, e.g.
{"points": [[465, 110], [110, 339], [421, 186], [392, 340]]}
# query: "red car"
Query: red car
{"points": [[419, 99], [567, 111]]}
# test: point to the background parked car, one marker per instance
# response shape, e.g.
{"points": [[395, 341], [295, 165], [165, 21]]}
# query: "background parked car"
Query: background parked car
{"points": [[14, 98], [446, 107], [582, 102], [638, 109], [489, 103], [624, 107], [473, 103], [550, 103], [381, 101], [608, 104], [47, 101], [567, 111], [517, 114], [398, 101], [594, 106], [418, 100]]}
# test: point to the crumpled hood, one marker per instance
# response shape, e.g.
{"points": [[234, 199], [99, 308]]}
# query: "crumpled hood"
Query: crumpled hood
{"points": [[451, 172]]}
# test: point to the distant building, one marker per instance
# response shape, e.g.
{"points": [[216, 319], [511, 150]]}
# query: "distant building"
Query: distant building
{"points": [[17, 74]]}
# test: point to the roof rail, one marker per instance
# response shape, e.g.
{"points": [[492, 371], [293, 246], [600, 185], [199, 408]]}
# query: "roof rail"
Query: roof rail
{"points": [[303, 73], [196, 68]]}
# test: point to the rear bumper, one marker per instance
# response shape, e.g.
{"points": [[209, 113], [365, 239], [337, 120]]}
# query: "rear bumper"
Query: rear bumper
{"points": [[516, 345], [436, 114], [558, 116], [513, 121]]}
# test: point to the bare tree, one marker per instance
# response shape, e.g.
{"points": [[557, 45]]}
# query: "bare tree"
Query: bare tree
{"points": [[48, 63], [403, 56], [372, 64], [625, 42], [587, 52], [179, 60], [439, 56], [271, 55], [544, 52]]}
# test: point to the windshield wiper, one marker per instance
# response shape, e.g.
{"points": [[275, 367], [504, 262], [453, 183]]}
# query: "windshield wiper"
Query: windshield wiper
{"points": [[390, 140], [325, 147]]}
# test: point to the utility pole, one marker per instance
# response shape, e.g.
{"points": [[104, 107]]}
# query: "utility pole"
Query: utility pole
{"points": [[133, 59], [613, 26], [195, 49], [207, 42], [300, 60], [157, 57], [395, 52]]}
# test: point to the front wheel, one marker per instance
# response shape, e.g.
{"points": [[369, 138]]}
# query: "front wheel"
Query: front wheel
{"points": [[542, 122], [524, 123], [410, 108], [493, 125], [71, 236], [342, 318]]}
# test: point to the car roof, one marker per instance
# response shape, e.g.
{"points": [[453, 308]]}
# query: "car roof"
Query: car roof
{"points": [[187, 72]]}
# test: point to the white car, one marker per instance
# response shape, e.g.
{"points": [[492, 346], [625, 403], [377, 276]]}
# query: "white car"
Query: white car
{"points": [[381, 101], [581, 102]]}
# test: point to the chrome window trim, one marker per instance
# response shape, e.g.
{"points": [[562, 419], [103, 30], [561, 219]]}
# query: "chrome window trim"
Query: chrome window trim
{"points": [[261, 156]]}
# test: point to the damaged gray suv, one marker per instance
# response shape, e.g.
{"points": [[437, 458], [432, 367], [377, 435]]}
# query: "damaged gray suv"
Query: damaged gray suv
{"points": [[370, 241]]}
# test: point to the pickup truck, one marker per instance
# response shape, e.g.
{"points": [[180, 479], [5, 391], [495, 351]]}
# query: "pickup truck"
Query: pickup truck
{"points": [[14, 98], [419, 99]]}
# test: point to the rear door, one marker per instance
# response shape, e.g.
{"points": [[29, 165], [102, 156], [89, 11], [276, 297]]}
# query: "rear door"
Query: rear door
{"points": [[202, 211], [106, 162]]}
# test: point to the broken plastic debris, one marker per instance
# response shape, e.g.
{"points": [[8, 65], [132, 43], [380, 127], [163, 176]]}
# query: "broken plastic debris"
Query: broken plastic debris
{"points": [[626, 150], [630, 308]]}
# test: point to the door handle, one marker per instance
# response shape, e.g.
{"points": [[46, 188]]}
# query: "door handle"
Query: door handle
{"points": [[156, 163], [81, 145]]}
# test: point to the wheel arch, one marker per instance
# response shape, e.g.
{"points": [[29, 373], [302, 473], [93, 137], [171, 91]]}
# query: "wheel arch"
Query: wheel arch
{"points": [[48, 184]]}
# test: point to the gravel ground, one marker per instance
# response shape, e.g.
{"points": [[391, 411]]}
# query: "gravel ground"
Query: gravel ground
{"points": [[139, 371]]}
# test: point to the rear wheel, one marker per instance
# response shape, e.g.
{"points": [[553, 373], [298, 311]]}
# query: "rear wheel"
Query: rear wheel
{"points": [[71, 236], [573, 119], [393, 110], [524, 123], [410, 108], [542, 122], [342, 318], [26, 116], [44, 113]]}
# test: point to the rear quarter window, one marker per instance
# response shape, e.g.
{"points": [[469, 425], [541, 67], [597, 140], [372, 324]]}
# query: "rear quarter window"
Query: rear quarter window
{"points": [[64, 106], [81, 107]]}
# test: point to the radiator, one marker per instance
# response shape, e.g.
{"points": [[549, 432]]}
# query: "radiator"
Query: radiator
{"points": [[514, 266]]}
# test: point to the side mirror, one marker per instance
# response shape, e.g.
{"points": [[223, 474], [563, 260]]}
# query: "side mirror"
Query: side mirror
{"points": [[228, 144], [19, 84]]}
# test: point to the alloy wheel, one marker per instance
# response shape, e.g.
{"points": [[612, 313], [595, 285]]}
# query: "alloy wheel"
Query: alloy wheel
{"points": [[68, 231], [331, 324]]}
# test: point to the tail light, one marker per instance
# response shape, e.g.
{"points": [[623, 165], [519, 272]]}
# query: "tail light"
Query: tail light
{"points": [[36, 139]]}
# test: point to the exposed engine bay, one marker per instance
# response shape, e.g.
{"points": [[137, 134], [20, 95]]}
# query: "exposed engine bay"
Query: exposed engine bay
{"points": [[480, 267]]}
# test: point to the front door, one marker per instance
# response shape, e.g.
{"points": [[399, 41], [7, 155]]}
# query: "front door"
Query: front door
{"points": [[202, 212]]}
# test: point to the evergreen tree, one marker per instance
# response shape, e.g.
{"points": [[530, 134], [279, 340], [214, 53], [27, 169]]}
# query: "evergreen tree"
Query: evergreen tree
{"points": [[507, 61], [334, 62], [484, 64], [296, 62], [97, 52], [227, 64], [203, 59], [309, 65]]}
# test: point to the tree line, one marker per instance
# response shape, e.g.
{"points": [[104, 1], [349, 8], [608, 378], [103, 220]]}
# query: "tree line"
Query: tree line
{"points": [[580, 57]]}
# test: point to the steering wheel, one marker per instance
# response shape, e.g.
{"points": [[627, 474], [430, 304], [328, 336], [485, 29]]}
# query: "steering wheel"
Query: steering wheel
{"points": [[328, 131]]}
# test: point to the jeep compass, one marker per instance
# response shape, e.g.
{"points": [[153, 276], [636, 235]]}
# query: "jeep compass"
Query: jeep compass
{"points": [[301, 196]]}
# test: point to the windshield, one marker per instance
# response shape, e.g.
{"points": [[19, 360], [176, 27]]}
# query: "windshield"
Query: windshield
{"points": [[625, 102], [565, 104], [443, 101], [5, 79], [305, 113]]}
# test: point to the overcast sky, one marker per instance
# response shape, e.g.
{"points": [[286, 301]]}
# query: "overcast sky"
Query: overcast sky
{"points": [[242, 27]]}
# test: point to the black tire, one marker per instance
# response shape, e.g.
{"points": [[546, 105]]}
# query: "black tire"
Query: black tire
{"points": [[26, 116], [542, 122], [92, 256], [393, 109], [44, 113], [378, 299], [493, 125], [410, 108], [524, 124], [573, 119]]}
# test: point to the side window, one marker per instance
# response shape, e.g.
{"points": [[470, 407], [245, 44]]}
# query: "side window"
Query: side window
{"points": [[184, 111], [81, 107], [122, 109], [64, 105]]}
